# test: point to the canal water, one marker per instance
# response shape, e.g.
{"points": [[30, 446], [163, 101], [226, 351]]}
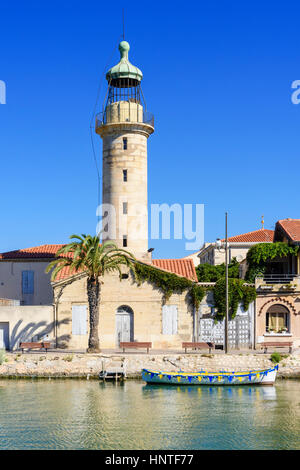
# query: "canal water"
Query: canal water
{"points": [[77, 414]]}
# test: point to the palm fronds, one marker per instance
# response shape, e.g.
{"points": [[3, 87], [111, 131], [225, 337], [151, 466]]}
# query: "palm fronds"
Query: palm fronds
{"points": [[85, 254]]}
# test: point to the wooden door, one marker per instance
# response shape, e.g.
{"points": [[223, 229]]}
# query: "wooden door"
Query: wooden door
{"points": [[169, 320], [124, 325]]}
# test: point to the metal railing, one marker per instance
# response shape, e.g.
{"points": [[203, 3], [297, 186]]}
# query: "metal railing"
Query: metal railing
{"points": [[278, 278], [146, 118]]}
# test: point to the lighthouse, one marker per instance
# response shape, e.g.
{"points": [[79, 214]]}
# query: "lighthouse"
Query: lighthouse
{"points": [[124, 126]]}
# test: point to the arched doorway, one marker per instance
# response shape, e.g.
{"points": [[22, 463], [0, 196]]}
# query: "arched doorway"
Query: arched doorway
{"points": [[278, 319], [124, 324]]}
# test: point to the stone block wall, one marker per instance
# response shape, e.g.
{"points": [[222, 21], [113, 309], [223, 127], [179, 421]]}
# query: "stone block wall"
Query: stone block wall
{"points": [[116, 191], [89, 365]]}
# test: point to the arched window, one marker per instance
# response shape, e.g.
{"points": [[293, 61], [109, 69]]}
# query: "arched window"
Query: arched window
{"points": [[278, 319]]}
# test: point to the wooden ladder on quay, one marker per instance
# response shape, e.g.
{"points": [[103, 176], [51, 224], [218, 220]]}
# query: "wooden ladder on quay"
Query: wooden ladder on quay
{"points": [[112, 373]]}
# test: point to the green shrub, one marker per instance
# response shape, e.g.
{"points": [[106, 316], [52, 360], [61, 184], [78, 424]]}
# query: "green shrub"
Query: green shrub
{"points": [[2, 356], [68, 358], [169, 283], [210, 273], [238, 293], [261, 254], [276, 357]]}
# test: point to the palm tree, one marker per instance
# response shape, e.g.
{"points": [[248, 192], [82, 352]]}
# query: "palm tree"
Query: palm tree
{"points": [[85, 254]]}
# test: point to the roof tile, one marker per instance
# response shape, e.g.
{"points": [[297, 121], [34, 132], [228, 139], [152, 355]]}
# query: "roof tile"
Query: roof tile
{"points": [[36, 252], [291, 227], [261, 235], [183, 267]]}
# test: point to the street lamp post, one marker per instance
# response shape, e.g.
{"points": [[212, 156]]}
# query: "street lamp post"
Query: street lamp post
{"points": [[219, 246], [226, 282]]}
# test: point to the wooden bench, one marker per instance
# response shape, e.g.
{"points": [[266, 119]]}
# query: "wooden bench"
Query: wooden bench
{"points": [[135, 344], [277, 344], [202, 345], [43, 345]]}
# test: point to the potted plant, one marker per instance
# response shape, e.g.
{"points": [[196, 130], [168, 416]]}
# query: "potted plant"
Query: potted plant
{"points": [[283, 330], [289, 287]]}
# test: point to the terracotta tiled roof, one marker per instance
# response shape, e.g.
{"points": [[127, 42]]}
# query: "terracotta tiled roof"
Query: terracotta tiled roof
{"points": [[66, 272], [184, 267], [259, 236], [37, 252], [291, 227]]}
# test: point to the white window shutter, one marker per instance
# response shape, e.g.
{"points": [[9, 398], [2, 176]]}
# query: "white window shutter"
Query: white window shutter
{"points": [[79, 320], [166, 321], [169, 320]]}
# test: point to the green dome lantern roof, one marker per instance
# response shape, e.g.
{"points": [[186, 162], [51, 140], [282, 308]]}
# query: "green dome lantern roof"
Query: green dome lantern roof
{"points": [[124, 69]]}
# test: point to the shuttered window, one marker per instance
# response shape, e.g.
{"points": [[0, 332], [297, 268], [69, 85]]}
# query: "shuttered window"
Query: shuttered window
{"points": [[169, 320], [79, 320], [27, 282]]}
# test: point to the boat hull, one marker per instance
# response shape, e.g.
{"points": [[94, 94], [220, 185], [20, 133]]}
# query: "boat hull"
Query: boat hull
{"points": [[251, 377]]}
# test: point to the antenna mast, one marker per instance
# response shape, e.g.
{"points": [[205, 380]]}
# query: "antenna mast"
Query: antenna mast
{"points": [[123, 25]]}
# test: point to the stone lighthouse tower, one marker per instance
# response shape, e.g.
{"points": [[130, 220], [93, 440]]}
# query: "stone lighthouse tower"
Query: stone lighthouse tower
{"points": [[125, 125]]}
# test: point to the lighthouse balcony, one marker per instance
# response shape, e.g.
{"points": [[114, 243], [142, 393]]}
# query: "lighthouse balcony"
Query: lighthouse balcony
{"points": [[124, 115]]}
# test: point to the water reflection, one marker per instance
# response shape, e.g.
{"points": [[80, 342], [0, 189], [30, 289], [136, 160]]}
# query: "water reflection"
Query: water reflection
{"points": [[66, 414], [268, 392]]}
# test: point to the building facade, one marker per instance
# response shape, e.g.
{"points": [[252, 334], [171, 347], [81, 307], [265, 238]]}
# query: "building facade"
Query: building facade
{"points": [[278, 291], [23, 277], [128, 312], [239, 246], [31, 311]]}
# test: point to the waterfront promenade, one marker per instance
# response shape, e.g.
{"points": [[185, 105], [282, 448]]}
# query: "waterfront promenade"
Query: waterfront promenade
{"points": [[77, 364]]}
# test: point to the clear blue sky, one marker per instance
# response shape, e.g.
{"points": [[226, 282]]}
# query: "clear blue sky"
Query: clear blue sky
{"points": [[217, 76]]}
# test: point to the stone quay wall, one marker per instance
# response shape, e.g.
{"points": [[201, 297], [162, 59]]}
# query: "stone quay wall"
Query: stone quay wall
{"points": [[68, 365]]}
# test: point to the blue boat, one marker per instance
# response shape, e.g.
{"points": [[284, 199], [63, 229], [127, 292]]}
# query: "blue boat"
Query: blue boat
{"points": [[250, 377]]}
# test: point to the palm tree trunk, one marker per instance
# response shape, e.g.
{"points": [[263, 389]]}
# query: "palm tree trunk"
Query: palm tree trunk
{"points": [[93, 292]]}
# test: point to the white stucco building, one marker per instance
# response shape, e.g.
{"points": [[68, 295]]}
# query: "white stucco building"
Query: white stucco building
{"points": [[238, 247]]}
